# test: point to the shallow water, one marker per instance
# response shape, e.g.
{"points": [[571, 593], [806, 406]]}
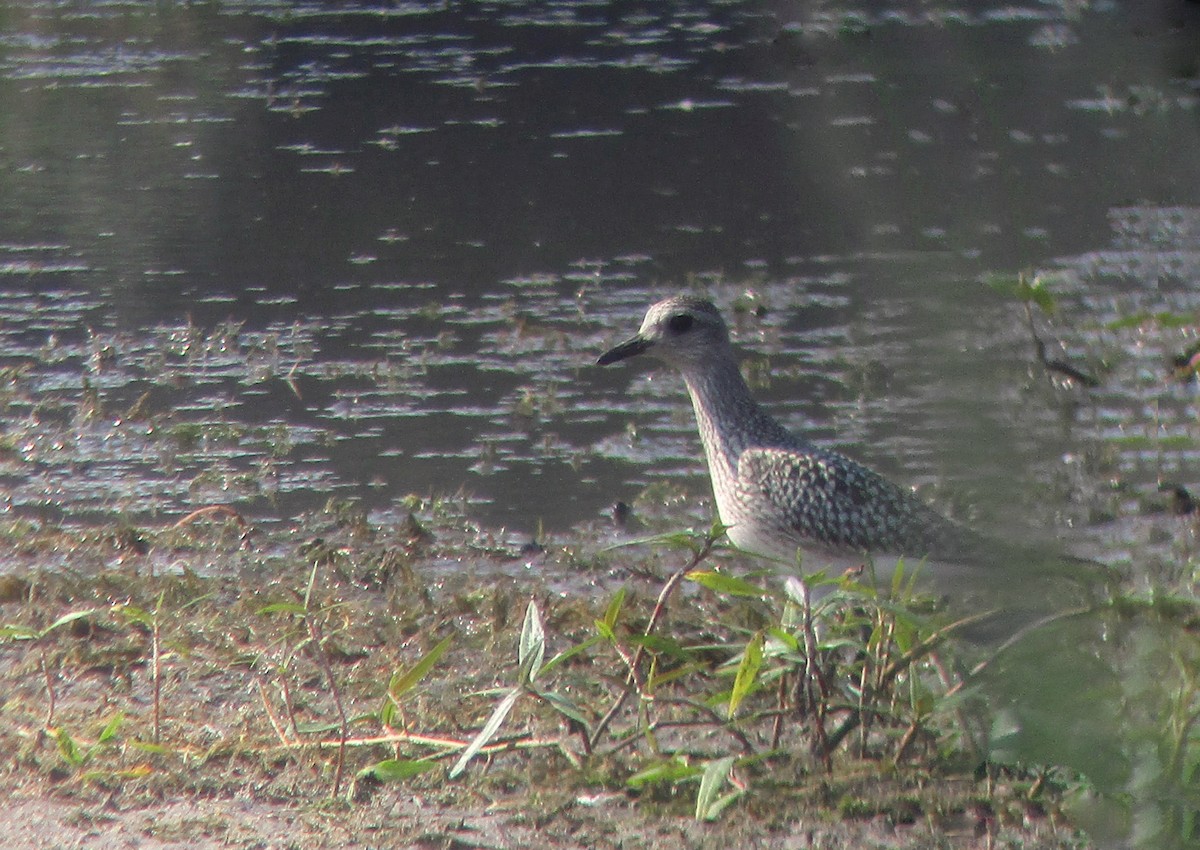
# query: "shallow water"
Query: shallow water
{"points": [[264, 253]]}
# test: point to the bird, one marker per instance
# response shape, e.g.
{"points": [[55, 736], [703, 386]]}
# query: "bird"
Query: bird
{"points": [[780, 495]]}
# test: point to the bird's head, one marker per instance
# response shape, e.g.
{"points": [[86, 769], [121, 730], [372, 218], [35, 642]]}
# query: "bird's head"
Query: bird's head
{"points": [[683, 331]]}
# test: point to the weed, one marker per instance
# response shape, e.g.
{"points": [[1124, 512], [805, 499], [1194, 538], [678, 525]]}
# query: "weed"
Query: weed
{"points": [[720, 693]]}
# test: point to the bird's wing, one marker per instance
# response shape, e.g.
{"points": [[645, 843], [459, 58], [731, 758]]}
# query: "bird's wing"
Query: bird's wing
{"points": [[835, 502]]}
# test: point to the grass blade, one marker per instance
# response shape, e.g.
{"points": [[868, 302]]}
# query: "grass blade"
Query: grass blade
{"points": [[110, 729], [564, 706], [747, 673], [499, 714], [570, 652], [708, 801], [668, 771], [395, 770], [68, 749], [720, 583], [283, 607], [68, 618], [402, 682], [532, 647], [614, 609]]}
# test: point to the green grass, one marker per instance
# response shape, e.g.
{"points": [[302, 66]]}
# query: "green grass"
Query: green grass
{"points": [[335, 664]]}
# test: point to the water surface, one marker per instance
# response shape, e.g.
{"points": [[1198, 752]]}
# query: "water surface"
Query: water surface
{"points": [[264, 253]]}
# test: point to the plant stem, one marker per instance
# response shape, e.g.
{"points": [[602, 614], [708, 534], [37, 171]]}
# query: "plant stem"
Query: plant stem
{"points": [[659, 608]]}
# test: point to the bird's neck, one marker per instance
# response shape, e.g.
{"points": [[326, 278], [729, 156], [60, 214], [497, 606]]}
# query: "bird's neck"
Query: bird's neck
{"points": [[728, 417]]}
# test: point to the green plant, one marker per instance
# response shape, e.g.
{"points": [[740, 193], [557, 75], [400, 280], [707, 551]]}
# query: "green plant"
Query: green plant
{"points": [[531, 651], [38, 637], [315, 639]]}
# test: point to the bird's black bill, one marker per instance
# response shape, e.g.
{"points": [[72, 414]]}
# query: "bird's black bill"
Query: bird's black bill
{"points": [[630, 347]]}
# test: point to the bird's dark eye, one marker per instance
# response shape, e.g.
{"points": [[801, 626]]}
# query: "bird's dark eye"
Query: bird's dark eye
{"points": [[680, 323]]}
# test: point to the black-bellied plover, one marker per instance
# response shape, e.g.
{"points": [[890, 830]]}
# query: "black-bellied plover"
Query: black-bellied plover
{"points": [[777, 493]]}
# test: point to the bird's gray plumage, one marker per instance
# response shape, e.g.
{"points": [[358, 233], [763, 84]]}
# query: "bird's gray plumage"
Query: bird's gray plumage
{"points": [[776, 491]]}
